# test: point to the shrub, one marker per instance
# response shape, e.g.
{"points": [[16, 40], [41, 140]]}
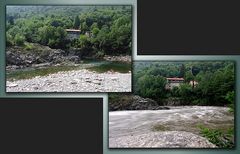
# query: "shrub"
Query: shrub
{"points": [[99, 54], [19, 39], [28, 46], [230, 98], [9, 39], [218, 137]]}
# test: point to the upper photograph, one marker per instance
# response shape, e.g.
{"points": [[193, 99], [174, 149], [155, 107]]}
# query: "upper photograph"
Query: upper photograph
{"points": [[69, 48]]}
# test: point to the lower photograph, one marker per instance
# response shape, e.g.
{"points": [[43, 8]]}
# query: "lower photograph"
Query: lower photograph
{"points": [[175, 104]]}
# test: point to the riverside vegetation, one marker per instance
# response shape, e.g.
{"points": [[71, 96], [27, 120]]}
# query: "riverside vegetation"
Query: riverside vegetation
{"points": [[45, 40], [205, 108]]}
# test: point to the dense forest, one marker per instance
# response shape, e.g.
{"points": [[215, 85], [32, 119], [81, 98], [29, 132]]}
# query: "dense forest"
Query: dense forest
{"points": [[103, 29], [214, 82]]}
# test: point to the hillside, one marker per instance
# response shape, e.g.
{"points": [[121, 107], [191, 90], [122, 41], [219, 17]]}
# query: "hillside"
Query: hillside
{"points": [[98, 30]]}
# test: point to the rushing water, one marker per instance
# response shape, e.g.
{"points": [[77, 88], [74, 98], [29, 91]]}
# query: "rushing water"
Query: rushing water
{"points": [[182, 118]]}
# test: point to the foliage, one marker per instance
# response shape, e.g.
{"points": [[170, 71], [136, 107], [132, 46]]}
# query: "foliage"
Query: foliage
{"points": [[103, 28], [230, 98], [52, 36], [9, 39], [213, 81], [150, 86], [19, 39], [76, 22], [112, 66], [185, 92], [218, 137], [28, 46]]}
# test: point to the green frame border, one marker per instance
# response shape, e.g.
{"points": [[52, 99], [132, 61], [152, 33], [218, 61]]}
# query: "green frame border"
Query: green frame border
{"points": [[104, 95]]}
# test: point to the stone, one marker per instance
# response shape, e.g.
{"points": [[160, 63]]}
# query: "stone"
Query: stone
{"points": [[135, 102], [96, 82], [99, 79], [82, 81], [12, 85], [35, 88], [164, 139], [73, 82], [114, 78]]}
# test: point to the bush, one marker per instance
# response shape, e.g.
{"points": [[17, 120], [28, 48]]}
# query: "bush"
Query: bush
{"points": [[19, 39], [100, 54], [218, 137], [9, 39], [28, 46], [230, 98]]}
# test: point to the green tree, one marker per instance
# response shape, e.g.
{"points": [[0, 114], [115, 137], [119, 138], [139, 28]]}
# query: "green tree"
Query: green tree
{"points": [[152, 86], [185, 92], [85, 45], [84, 27], [182, 71], [76, 22]]}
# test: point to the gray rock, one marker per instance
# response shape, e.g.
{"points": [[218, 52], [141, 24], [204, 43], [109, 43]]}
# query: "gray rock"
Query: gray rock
{"points": [[35, 88], [12, 85], [134, 102], [73, 82], [41, 65], [165, 139], [114, 78], [96, 82]]}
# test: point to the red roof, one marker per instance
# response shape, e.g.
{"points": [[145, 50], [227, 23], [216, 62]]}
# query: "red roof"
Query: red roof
{"points": [[178, 79], [73, 30]]}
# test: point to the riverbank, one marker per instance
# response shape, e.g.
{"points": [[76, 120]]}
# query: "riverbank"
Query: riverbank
{"points": [[38, 56], [81, 80]]}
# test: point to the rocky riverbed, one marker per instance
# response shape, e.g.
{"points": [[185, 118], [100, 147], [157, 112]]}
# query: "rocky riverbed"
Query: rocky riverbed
{"points": [[173, 128], [74, 81]]}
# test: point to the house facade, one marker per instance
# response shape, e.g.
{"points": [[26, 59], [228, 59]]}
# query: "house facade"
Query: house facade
{"points": [[73, 33], [173, 82]]}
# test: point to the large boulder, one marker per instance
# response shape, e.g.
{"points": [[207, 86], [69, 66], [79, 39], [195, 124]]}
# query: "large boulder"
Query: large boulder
{"points": [[39, 54], [165, 139], [132, 102]]}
